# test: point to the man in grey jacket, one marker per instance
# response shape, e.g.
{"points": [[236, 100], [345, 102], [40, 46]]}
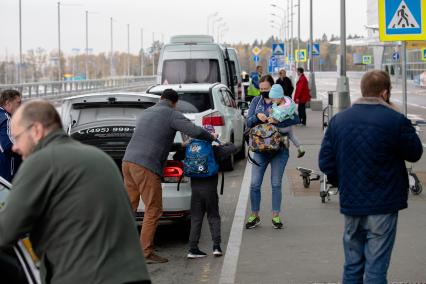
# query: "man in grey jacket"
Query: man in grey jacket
{"points": [[144, 161], [70, 199]]}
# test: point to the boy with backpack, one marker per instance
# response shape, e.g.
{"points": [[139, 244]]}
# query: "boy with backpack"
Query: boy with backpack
{"points": [[201, 164]]}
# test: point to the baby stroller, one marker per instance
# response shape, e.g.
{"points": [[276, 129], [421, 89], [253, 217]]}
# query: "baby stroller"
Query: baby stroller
{"points": [[308, 175]]}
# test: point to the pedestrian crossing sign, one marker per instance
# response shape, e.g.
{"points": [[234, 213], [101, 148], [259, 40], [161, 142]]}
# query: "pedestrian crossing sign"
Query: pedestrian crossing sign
{"points": [[278, 49], [300, 55], [402, 20], [366, 59], [424, 54]]}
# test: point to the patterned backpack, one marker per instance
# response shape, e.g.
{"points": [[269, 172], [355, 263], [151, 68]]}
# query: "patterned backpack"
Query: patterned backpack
{"points": [[264, 138]]}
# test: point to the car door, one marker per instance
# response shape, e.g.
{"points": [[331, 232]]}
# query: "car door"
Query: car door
{"points": [[233, 116], [28, 261]]}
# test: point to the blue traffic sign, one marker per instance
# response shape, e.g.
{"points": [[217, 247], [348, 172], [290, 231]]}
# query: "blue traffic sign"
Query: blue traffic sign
{"points": [[316, 50], [273, 60], [395, 56], [424, 54], [278, 49], [255, 58]]}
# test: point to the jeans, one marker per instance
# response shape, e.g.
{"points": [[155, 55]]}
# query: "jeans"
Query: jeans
{"points": [[278, 162], [368, 242]]}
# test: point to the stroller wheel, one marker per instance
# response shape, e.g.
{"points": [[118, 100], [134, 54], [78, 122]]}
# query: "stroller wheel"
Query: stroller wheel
{"points": [[417, 188], [306, 182]]}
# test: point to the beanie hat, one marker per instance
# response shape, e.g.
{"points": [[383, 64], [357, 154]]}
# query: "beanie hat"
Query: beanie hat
{"points": [[276, 92], [170, 94]]}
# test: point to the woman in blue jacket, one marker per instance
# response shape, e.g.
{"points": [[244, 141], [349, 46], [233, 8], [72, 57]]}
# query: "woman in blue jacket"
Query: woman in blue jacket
{"points": [[258, 114]]}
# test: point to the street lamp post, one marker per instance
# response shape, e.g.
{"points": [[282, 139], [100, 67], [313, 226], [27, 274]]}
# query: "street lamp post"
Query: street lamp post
{"points": [[343, 99], [112, 71], [275, 26], [285, 35], [291, 36], [298, 31], [59, 43], [153, 55], [128, 50], [142, 53], [312, 87], [218, 20], [20, 44], [282, 25], [209, 17], [86, 66], [223, 24], [222, 32]]}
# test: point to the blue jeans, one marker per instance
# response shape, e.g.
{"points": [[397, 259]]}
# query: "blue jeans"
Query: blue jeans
{"points": [[368, 242], [278, 162]]}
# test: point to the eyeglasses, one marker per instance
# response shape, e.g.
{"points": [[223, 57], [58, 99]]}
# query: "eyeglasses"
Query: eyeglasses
{"points": [[16, 137]]}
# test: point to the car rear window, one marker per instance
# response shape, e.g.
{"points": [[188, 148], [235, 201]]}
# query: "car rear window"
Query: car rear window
{"points": [[184, 71], [193, 102]]}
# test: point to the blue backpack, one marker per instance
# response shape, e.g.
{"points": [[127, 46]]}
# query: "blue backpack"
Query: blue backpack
{"points": [[199, 159]]}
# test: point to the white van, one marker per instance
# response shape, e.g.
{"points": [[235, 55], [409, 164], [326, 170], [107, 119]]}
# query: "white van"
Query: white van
{"points": [[196, 59]]}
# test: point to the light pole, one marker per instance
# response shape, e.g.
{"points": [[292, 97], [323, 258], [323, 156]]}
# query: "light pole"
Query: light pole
{"points": [[282, 24], [128, 50], [223, 31], [153, 55], [20, 44], [280, 28], [214, 22], [298, 32], [59, 43], [223, 24], [312, 85], [86, 62], [209, 17], [343, 99], [291, 36], [112, 73], [142, 53]]}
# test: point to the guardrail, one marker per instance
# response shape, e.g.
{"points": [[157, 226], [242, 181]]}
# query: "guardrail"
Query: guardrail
{"points": [[60, 89]]}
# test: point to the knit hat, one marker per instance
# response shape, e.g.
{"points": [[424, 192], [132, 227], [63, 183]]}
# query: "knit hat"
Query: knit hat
{"points": [[276, 92], [170, 94]]}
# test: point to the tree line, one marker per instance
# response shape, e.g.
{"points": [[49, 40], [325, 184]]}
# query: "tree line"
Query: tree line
{"points": [[41, 65]]}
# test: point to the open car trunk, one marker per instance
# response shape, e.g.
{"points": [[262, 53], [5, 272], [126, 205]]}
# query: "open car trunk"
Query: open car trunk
{"points": [[106, 121]]}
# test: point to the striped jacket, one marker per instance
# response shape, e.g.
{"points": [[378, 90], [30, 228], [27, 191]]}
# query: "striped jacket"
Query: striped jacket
{"points": [[9, 161]]}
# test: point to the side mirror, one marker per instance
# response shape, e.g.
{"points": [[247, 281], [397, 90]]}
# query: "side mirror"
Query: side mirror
{"points": [[235, 80], [243, 106]]}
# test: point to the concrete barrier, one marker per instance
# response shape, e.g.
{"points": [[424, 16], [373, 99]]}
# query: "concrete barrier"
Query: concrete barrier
{"points": [[316, 105]]}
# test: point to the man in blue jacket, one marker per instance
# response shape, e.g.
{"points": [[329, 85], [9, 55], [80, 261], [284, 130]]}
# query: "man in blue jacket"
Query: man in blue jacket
{"points": [[364, 152], [10, 100]]}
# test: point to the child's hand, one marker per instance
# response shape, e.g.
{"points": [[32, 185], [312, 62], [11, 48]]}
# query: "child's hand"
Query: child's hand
{"points": [[271, 120]]}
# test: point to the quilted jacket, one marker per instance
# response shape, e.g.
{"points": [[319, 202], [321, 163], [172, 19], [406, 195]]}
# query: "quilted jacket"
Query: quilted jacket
{"points": [[9, 161], [364, 152]]}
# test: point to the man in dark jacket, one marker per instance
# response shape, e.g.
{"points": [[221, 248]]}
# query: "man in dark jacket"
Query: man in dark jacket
{"points": [[145, 158], [10, 100], [302, 95], [285, 83], [364, 152], [70, 199]]}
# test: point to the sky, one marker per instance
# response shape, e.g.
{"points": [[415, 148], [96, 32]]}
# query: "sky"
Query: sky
{"points": [[246, 21]]}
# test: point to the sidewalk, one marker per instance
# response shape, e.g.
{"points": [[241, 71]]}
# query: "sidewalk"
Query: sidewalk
{"points": [[309, 248]]}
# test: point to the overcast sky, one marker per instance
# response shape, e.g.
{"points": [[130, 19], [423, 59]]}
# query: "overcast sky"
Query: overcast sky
{"points": [[247, 20]]}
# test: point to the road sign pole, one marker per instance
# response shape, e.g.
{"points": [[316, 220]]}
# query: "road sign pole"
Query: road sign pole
{"points": [[404, 76], [312, 85], [343, 99]]}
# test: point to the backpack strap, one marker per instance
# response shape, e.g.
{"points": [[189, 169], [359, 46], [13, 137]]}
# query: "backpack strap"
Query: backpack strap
{"points": [[251, 160], [222, 183]]}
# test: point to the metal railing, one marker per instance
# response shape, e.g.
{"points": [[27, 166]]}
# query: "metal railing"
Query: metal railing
{"points": [[60, 89]]}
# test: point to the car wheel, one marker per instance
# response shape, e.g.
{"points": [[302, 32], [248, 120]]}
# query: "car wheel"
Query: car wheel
{"points": [[242, 153], [228, 164]]}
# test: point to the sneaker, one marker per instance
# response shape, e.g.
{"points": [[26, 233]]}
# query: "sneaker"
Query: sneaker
{"points": [[217, 251], [276, 222], [153, 258], [300, 152], [195, 253], [252, 221]]}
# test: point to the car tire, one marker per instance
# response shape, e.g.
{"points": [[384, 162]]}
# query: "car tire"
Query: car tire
{"points": [[242, 153], [228, 164]]}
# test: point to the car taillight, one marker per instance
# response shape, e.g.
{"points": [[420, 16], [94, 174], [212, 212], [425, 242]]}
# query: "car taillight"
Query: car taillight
{"points": [[173, 171], [215, 119]]}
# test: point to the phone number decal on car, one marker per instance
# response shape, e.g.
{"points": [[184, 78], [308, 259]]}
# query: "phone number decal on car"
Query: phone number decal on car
{"points": [[106, 132]]}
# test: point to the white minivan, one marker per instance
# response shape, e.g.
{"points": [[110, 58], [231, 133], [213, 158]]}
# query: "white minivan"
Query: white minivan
{"points": [[191, 59]]}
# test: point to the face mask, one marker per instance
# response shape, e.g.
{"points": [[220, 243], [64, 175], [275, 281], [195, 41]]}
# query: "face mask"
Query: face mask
{"points": [[265, 95]]}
